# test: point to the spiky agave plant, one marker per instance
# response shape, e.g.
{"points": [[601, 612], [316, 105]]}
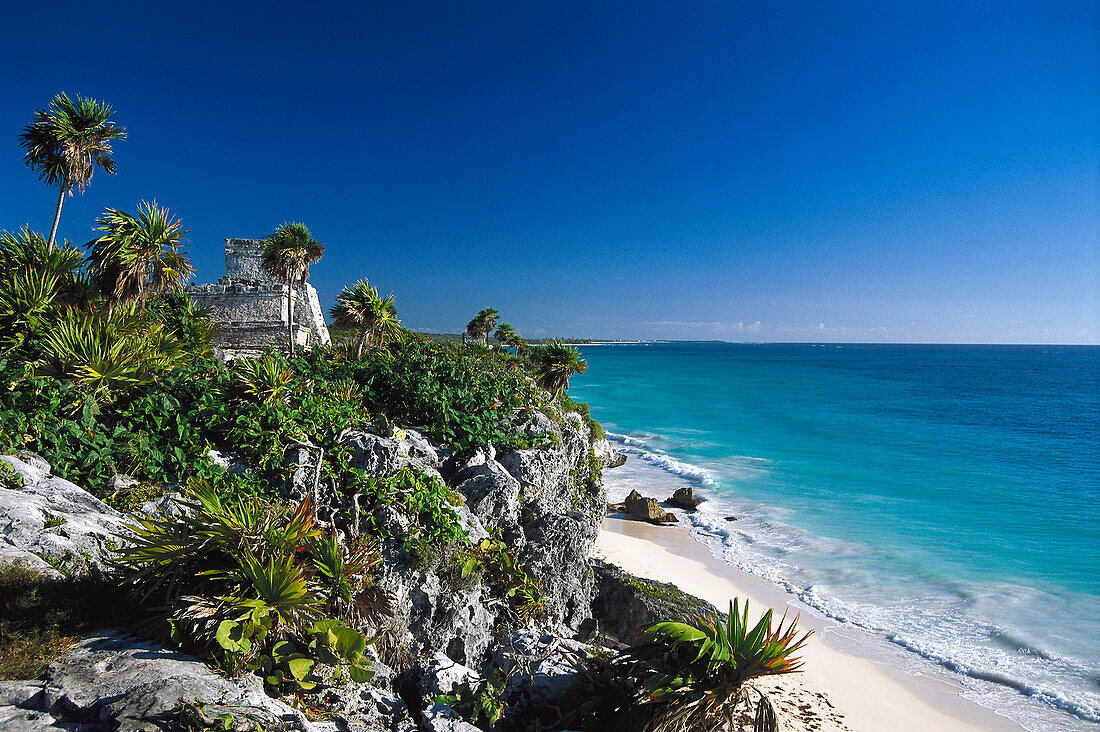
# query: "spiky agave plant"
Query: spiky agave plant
{"points": [[696, 671], [555, 363]]}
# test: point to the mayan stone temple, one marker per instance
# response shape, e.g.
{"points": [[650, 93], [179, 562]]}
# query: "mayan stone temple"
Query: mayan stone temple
{"points": [[250, 305]]}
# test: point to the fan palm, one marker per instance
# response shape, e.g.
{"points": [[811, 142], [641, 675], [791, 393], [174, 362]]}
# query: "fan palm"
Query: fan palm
{"points": [[360, 306], [482, 325], [66, 142], [28, 252], [138, 256], [288, 252], [555, 363], [507, 336]]}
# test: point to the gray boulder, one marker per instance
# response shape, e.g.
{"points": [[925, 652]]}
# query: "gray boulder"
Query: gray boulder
{"points": [[545, 476], [55, 522], [441, 718], [381, 457], [493, 495], [114, 680], [539, 669], [556, 556], [606, 453], [624, 604]]}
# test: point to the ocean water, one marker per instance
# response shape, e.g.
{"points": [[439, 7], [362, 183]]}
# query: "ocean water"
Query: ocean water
{"points": [[945, 498]]}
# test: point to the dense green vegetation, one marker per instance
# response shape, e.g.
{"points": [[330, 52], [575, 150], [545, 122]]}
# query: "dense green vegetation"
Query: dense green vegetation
{"points": [[106, 368]]}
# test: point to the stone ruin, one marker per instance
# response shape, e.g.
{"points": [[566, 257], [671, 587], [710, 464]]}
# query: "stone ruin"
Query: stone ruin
{"points": [[249, 305]]}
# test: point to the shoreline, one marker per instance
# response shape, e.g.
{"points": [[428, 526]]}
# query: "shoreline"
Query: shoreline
{"points": [[837, 678]]}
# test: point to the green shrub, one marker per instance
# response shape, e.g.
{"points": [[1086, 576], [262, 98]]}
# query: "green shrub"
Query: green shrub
{"points": [[252, 586]]}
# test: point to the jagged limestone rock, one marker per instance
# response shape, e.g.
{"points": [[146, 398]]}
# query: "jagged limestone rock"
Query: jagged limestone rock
{"points": [[606, 453], [624, 604], [556, 555], [115, 680], [381, 457], [54, 520], [493, 495], [539, 669]]}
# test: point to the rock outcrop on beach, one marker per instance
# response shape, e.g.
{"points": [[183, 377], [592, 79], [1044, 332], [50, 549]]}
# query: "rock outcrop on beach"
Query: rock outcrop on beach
{"points": [[625, 604], [647, 509], [684, 498]]}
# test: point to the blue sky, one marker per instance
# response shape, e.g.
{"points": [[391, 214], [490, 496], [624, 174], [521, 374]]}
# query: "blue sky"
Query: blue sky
{"points": [[909, 171]]}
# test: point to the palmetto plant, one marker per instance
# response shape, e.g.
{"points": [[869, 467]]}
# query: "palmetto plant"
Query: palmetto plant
{"points": [[66, 142], [555, 362], [266, 379], [375, 317], [482, 324], [288, 253], [138, 256], [695, 672], [28, 252], [238, 577], [106, 352]]}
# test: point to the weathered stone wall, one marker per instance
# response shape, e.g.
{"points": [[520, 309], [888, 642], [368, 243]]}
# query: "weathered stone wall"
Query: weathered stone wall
{"points": [[250, 306]]}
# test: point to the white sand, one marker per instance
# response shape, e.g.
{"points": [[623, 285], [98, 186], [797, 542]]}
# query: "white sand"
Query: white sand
{"points": [[836, 690]]}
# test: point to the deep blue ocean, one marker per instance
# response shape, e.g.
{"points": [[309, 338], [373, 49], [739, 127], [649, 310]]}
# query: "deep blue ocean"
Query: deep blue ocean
{"points": [[942, 497]]}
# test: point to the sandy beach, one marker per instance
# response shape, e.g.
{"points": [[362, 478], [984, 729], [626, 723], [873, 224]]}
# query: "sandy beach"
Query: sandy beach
{"points": [[838, 689]]}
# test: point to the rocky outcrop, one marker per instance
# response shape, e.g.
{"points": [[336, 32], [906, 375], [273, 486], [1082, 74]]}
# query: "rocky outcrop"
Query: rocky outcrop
{"points": [[539, 669], [544, 503], [624, 604], [684, 498], [50, 525], [116, 681], [647, 509], [606, 453], [493, 495], [380, 456]]}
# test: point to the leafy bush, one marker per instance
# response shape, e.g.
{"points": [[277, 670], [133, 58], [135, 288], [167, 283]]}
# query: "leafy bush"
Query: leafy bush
{"points": [[493, 560], [253, 586], [480, 703]]}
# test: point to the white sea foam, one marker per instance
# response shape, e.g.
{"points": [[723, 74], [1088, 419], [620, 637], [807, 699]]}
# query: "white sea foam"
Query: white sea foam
{"points": [[998, 667]]}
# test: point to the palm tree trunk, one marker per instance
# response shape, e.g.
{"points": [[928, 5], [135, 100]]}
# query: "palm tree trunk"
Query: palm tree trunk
{"points": [[56, 218], [359, 345], [290, 316]]}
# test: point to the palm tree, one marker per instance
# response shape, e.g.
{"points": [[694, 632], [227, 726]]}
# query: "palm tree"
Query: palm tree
{"points": [[359, 306], [66, 142], [482, 325], [288, 252], [138, 256], [555, 363], [507, 336]]}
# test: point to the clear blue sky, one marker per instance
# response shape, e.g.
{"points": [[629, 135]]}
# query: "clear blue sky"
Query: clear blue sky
{"points": [[895, 171]]}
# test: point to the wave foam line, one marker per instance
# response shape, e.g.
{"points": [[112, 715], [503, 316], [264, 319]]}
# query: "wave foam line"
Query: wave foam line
{"points": [[669, 464]]}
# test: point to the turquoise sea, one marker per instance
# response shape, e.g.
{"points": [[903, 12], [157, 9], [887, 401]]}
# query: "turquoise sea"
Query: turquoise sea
{"points": [[944, 498]]}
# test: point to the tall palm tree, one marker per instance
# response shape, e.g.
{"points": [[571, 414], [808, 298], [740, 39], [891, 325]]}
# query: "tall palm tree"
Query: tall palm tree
{"points": [[359, 306], [138, 256], [67, 141], [288, 252], [555, 363], [482, 325]]}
